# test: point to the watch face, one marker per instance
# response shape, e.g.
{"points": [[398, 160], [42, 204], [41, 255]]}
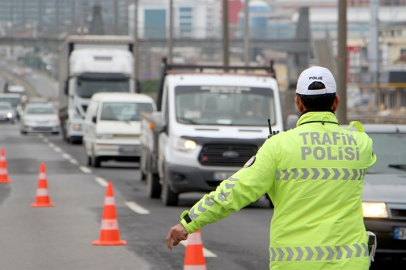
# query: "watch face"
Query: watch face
{"points": [[249, 162]]}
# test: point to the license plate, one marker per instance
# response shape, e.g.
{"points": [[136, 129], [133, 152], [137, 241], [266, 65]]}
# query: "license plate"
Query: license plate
{"points": [[400, 233], [220, 176], [127, 149]]}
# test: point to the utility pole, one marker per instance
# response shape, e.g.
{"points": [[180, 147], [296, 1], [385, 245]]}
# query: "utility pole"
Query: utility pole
{"points": [[115, 17], [170, 38], [373, 46], [342, 62], [247, 34], [135, 49], [225, 34]]}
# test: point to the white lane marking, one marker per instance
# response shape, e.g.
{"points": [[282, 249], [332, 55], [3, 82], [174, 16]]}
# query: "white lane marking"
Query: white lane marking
{"points": [[45, 140], [73, 161], [57, 149], [206, 252], [51, 145], [67, 156], [137, 208], [101, 181], [85, 169], [40, 135]]}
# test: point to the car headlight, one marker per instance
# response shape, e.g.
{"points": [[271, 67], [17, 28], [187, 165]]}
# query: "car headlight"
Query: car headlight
{"points": [[183, 145], [9, 115], [373, 209], [104, 136], [29, 122]]}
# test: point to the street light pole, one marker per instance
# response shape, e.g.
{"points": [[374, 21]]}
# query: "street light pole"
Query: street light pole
{"points": [[135, 49], [225, 34], [247, 33], [342, 62], [170, 38]]}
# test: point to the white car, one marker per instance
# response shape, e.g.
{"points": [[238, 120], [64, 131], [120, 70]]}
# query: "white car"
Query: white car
{"points": [[7, 112], [39, 118]]}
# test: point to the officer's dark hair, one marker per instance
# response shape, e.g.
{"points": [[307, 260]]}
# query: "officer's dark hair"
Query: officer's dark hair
{"points": [[319, 103]]}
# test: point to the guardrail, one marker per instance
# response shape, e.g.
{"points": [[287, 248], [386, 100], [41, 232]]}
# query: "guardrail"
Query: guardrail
{"points": [[378, 119]]}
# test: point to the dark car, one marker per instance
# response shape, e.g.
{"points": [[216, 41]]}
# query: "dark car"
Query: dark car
{"points": [[384, 197]]}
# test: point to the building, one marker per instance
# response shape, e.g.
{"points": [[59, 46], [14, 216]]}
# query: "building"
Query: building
{"points": [[191, 19]]}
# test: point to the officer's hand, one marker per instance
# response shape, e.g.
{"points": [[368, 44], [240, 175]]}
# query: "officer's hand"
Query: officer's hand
{"points": [[177, 233]]}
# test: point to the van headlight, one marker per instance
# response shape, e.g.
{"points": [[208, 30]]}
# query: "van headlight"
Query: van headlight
{"points": [[9, 115], [183, 145], [104, 136], [375, 210]]}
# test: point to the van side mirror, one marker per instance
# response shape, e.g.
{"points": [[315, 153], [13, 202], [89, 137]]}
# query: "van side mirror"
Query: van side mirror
{"points": [[291, 121], [94, 119], [66, 87]]}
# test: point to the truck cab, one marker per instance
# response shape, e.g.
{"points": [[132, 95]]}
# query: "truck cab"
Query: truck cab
{"points": [[209, 125]]}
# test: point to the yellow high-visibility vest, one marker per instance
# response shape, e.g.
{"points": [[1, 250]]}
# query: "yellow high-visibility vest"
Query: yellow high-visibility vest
{"points": [[314, 175]]}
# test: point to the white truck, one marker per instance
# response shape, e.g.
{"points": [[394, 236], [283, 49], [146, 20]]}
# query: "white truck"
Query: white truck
{"points": [[209, 122], [88, 65]]}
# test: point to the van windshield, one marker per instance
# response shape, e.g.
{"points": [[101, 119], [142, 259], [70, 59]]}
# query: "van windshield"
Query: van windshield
{"points": [[14, 101], [224, 105], [124, 111], [86, 88]]}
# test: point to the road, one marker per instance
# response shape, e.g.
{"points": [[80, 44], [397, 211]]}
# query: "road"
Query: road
{"points": [[61, 237]]}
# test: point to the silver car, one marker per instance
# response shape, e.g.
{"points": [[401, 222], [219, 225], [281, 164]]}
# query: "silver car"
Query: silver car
{"points": [[39, 118], [384, 197], [7, 112]]}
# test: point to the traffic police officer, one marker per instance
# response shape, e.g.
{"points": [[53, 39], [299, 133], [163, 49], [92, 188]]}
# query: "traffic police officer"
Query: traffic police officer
{"points": [[313, 174]]}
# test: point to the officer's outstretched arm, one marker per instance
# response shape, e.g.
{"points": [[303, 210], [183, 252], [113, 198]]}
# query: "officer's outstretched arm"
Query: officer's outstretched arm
{"points": [[246, 186]]}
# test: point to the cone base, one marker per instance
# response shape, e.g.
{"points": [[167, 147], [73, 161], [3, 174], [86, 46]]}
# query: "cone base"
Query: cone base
{"points": [[42, 205], [5, 181], [109, 243]]}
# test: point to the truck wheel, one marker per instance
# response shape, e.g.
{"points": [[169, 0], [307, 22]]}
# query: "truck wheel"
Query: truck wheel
{"points": [[154, 187], [63, 131], [169, 198]]}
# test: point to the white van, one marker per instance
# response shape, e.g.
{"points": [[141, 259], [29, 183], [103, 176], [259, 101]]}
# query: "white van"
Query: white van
{"points": [[112, 126]]}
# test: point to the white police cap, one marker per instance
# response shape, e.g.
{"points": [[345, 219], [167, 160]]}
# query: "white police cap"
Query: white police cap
{"points": [[316, 74]]}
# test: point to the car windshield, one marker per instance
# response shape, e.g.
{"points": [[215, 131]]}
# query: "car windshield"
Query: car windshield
{"points": [[390, 150], [86, 88], [224, 105], [14, 101], [5, 106], [40, 110], [124, 111]]}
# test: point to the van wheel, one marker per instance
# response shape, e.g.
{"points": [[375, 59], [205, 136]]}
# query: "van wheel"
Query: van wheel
{"points": [[169, 198], [270, 201], [153, 185], [96, 161]]}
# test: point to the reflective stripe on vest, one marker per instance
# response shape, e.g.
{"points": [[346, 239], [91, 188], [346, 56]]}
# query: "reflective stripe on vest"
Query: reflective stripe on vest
{"points": [[318, 253], [321, 174]]}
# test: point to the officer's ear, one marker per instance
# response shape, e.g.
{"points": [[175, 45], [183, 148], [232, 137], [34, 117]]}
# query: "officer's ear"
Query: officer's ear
{"points": [[335, 103], [299, 104]]}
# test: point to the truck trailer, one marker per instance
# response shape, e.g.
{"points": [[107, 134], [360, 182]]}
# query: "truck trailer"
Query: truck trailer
{"points": [[88, 65]]}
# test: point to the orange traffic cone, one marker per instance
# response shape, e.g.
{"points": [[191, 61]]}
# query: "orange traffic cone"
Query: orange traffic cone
{"points": [[194, 259], [42, 199], [109, 233], [3, 168]]}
